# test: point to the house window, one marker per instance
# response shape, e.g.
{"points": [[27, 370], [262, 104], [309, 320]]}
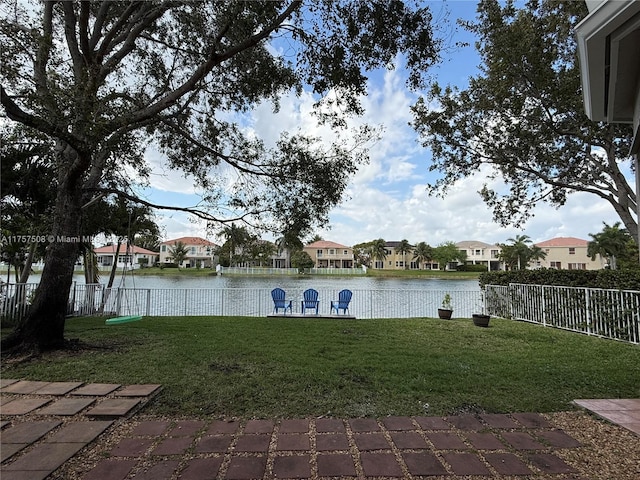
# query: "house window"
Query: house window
{"points": [[557, 265], [332, 252], [577, 266], [345, 252], [495, 253], [478, 253], [163, 248], [318, 253], [572, 251], [193, 250]]}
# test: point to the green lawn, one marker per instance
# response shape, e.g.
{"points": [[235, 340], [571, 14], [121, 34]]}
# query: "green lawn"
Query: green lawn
{"points": [[279, 367]]}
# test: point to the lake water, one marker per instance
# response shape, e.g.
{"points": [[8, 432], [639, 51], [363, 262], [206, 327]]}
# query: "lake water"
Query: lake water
{"points": [[216, 295], [285, 282]]}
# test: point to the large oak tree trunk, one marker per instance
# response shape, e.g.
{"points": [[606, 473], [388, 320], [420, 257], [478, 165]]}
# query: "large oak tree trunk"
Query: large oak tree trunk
{"points": [[43, 327]]}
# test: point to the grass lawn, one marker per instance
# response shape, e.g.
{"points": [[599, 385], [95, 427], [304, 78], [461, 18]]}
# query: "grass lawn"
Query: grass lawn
{"points": [[279, 367]]}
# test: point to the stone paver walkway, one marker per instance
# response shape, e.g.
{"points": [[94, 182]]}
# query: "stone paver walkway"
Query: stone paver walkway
{"points": [[45, 424], [393, 447]]}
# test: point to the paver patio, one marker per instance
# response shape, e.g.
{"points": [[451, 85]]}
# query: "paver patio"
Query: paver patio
{"points": [[484, 446]]}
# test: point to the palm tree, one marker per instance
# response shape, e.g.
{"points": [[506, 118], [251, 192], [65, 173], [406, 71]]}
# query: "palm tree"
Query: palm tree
{"points": [[610, 243], [289, 243], [536, 253], [520, 251], [178, 252], [403, 248], [236, 239], [378, 250], [422, 253]]}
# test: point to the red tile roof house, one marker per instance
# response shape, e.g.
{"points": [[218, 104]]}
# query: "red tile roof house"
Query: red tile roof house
{"points": [[326, 254], [127, 256], [567, 253], [201, 251]]}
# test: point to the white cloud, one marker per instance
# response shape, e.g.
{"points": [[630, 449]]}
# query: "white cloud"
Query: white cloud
{"points": [[388, 197]]}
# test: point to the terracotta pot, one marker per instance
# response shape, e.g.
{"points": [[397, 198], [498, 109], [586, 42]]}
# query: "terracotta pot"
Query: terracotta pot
{"points": [[480, 320]]}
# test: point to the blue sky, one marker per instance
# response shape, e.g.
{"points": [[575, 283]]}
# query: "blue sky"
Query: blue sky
{"points": [[387, 198]]}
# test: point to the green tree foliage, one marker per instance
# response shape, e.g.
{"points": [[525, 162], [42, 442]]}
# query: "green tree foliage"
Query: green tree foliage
{"points": [[104, 79], [27, 189], [378, 250], [608, 279], [520, 252], [178, 252], [613, 243], [403, 248], [301, 260], [446, 253], [422, 253], [522, 118]]}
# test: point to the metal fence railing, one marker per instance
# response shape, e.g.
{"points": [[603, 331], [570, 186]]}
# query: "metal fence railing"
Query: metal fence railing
{"points": [[258, 302], [611, 314]]}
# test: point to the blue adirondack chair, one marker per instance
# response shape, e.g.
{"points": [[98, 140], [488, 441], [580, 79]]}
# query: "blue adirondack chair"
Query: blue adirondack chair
{"points": [[310, 300], [279, 302], [344, 297]]}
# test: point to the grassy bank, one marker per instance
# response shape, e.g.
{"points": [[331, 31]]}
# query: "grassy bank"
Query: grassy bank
{"points": [[258, 367]]}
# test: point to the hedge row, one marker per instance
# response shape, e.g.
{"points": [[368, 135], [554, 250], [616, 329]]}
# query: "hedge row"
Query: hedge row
{"points": [[610, 279]]}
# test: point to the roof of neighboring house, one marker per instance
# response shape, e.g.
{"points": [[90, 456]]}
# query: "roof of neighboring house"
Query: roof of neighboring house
{"points": [[474, 244], [123, 250], [325, 244], [189, 241], [394, 244], [563, 242]]}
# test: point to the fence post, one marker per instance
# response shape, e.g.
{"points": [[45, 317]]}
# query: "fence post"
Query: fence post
{"points": [[148, 311], [118, 300], [587, 313]]}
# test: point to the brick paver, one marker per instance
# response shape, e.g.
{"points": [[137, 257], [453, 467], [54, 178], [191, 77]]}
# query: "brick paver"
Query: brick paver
{"points": [[507, 464], [67, 406], [22, 406], [113, 408], [96, 389], [292, 467], [407, 440], [245, 468], [364, 425], [28, 432], [293, 441], [326, 425], [423, 463], [517, 444], [57, 388], [24, 387], [336, 465], [202, 469], [466, 464], [380, 465], [111, 469]]}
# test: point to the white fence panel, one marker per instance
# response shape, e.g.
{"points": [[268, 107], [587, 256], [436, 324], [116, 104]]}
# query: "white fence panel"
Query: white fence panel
{"points": [[611, 314]]}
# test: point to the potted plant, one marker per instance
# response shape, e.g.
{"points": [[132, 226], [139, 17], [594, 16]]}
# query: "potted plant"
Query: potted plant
{"points": [[446, 310], [480, 319]]}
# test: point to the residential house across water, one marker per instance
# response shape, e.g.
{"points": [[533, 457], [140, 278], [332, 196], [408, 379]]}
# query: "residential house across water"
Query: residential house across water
{"points": [[567, 253], [480, 253], [326, 254], [200, 252], [129, 256]]}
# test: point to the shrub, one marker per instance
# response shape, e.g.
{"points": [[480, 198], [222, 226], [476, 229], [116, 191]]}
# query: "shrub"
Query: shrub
{"points": [[609, 279]]}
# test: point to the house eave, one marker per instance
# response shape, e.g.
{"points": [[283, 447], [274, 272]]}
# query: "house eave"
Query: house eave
{"points": [[610, 32]]}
